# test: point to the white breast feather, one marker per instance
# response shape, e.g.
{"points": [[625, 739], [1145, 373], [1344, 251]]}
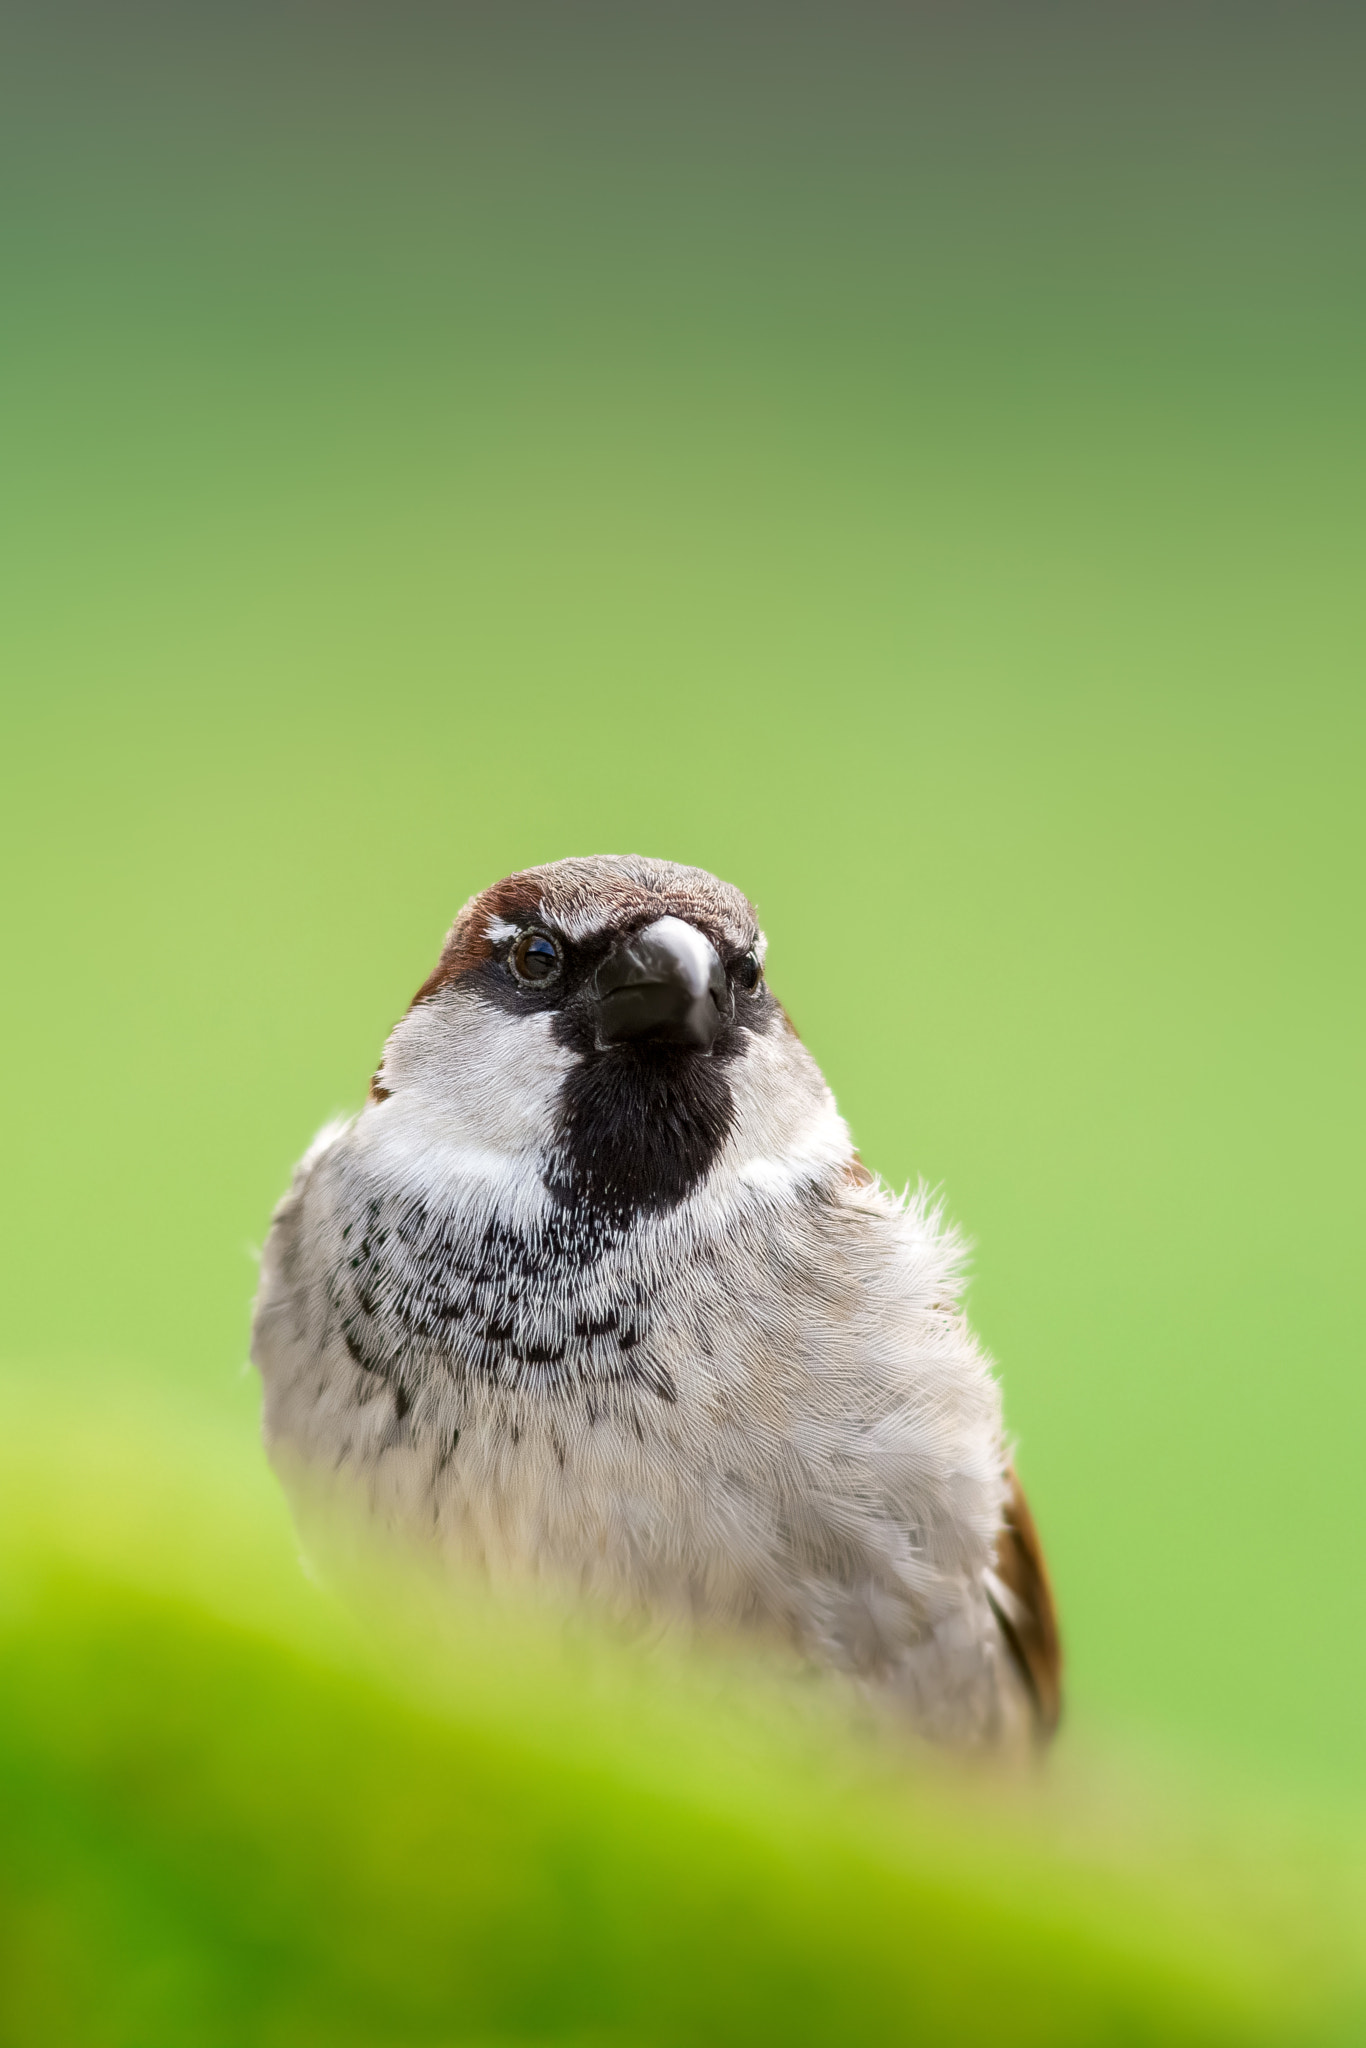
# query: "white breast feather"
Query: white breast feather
{"points": [[831, 1467]]}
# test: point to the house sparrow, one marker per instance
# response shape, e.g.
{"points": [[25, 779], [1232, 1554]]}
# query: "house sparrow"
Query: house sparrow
{"points": [[595, 1289]]}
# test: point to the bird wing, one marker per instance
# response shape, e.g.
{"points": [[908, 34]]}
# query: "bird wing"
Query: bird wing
{"points": [[1022, 1598], [1017, 1585]]}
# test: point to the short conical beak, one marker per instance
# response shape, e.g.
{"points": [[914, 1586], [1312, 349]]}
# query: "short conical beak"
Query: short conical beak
{"points": [[665, 983]]}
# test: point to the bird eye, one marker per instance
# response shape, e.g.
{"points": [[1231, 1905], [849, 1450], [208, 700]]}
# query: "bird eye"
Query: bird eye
{"points": [[749, 972], [536, 959]]}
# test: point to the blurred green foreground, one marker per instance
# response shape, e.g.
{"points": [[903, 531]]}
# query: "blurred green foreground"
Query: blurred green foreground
{"points": [[228, 1820]]}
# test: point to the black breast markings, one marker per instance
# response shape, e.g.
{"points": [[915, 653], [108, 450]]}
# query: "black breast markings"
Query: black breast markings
{"points": [[529, 1310]]}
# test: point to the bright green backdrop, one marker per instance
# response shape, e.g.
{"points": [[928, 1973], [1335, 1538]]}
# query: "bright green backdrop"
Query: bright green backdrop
{"points": [[911, 466], [942, 519]]}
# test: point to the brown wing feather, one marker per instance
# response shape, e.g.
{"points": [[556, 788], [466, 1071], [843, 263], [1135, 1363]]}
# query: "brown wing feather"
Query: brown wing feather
{"points": [[1028, 1618]]}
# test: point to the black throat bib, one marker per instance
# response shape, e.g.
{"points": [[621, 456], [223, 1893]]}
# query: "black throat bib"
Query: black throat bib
{"points": [[639, 1127]]}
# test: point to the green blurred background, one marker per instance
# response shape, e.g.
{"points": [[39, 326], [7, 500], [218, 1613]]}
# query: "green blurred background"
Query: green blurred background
{"points": [[909, 461]]}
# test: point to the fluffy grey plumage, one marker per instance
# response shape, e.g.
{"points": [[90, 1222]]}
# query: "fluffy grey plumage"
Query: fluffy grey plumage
{"points": [[594, 1290]]}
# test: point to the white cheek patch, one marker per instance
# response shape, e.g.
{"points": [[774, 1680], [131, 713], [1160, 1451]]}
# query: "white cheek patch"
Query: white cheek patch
{"points": [[473, 1090], [787, 1128]]}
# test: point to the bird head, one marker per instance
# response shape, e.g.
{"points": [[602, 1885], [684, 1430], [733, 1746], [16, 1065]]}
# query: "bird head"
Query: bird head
{"points": [[603, 1026]]}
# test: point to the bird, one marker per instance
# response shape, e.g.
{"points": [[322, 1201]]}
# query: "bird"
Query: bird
{"points": [[596, 1293]]}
